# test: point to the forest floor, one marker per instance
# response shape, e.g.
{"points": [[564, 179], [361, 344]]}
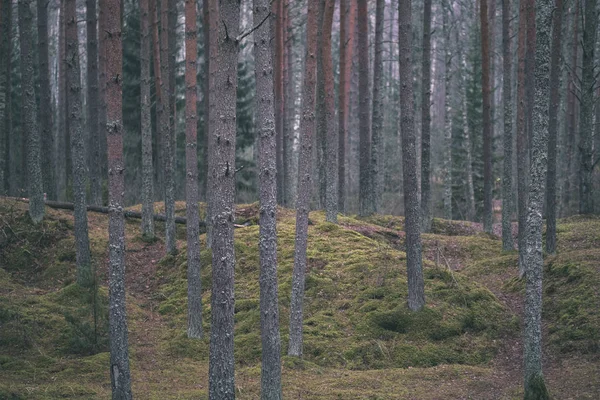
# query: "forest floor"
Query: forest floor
{"points": [[360, 343]]}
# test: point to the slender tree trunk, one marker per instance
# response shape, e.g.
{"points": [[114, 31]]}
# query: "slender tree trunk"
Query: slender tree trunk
{"points": [[267, 142], [160, 181], [206, 152], [80, 178], [146, 125], [35, 190], [376, 190], [191, 161], [213, 23], [447, 166], [470, 189], [426, 216], [487, 122], [46, 126], [416, 291], [586, 126], [307, 130], [319, 140], [102, 141], [288, 105], [507, 190], [92, 105], [331, 150], [119, 353], [277, 6], [553, 127], [346, 46], [166, 130], [61, 145], [365, 206], [534, 381], [5, 84], [221, 369]]}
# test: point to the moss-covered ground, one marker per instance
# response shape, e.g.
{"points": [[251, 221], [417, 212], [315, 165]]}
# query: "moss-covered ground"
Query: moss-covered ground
{"points": [[360, 342]]}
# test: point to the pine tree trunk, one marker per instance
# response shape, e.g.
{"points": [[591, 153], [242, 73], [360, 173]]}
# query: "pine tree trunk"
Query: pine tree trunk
{"points": [[35, 190], [277, 12], [80, 178], [447, 163], [534, 263], [102, 144], [346, 46], [307, 130], [319, 140], [46, 126], [553, 128], [206, 153], [222, 168], [61, 146], [212, 18], [364, 185], [146, 125], [166, 130], [288, 105], [507, 189], [586, 126], [487, 122], [119, 353], [416, 291], [191, 176], [470, 189], [426, 216], [92, 105], [5, 49], [267, 170], [376, 191]]}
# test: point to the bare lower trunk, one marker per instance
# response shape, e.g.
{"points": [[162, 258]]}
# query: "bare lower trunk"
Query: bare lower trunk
{"points": [[416, 291], [92, 105], [269, 303], [426, 121], [5, 86], [487, 122], [376, 191], [191, 163], [365, 206], [447, 166], [61, 137], [307, 129], [507, 189], [331, 151]]}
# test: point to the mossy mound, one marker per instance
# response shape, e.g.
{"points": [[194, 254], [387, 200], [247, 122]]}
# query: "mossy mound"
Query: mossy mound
{"points": [[355, 312]]}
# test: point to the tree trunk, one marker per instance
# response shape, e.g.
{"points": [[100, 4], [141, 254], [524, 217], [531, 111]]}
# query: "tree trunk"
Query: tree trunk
{"points": [[426, 216], [507, 189], [534, 381], [487, 122], [307, 130], [102, 144], [346, 46], [191, 161], [365, 206], [447, 163], [319, 146], [331, 153], [160, 181], [92, 105], [119, 354], [222, 168], [212, 21], [267, 142], [166, 130], [47, 129], [61, 146], [146, 125], [80, 179], [586, 126], [5, 84], [277, 15], [206, 153], [416, 291], [470, 189], [553, 128], [288, 113], [35, 188], [376, 190]]}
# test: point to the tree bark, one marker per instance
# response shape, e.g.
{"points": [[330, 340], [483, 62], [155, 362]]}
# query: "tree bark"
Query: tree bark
{"points": [[307, 130], [553, 127], [5, 84], [376, 190], [207, 52], [331, 153], [191, 189], [447, 162], [267, 170], [534, 381], [92, 105], [416, 291], [277, 16], [426, 217], [166, 130], [487, 122], [146, 125], [221, 368], [365, 207], [586, 126], [61, 146], [46, 125], [119, 353], [507, 189], [470, 189], [102, 143], [160, 182], [288, 110], [320, 114]]}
